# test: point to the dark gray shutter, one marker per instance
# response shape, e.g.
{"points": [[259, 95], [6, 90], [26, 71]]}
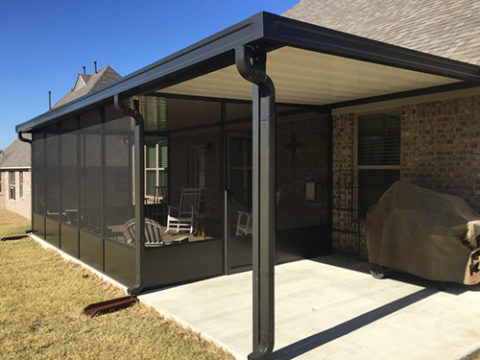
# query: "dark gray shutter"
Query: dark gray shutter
{"points": [[379, 140]]}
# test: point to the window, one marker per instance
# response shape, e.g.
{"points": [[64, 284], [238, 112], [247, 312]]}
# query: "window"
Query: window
{"points": [[156, 168], [240, 168], [20, 189], [11, 185], [378, 156], [196, 173]]}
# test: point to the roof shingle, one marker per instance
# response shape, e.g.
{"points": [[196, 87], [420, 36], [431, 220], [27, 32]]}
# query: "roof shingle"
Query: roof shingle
{"points": [[92, 82], [447, 28], [16, 155]]}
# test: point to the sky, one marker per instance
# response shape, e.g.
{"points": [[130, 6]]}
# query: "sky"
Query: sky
{"points": [[44, 44]]}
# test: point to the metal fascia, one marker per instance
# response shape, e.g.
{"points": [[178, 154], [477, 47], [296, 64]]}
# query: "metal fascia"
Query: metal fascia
{"points": [[316, 38]]}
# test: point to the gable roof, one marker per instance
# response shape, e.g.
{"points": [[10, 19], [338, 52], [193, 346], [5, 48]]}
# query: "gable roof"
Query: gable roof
{"points": [[447, 28], [86, 83], [81, 81], [16, 155]]}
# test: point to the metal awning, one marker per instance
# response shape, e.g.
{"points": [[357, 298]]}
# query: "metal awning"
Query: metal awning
{"points": [[312, 78], [339, 67]]}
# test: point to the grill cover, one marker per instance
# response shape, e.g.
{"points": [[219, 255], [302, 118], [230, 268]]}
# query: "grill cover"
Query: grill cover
{"points": [[425, 233]]}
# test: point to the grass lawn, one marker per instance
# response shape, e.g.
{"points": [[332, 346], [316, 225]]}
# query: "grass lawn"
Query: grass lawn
{"points": [[42, 297]]}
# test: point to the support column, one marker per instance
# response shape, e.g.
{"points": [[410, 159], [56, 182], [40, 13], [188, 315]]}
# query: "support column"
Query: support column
{"points": [[251, 65], [139, 142], [139, 173]]}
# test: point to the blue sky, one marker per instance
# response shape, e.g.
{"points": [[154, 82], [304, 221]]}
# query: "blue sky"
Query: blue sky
{"points": [[44, 44]]}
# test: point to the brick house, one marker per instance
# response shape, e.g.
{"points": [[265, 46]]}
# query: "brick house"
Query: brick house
{"points": [[298, 125], [15, 179], [435, 135]]}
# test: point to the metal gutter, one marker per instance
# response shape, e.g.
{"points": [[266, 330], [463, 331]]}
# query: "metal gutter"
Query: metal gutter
{"points": [[139, 141], [251, 64]]}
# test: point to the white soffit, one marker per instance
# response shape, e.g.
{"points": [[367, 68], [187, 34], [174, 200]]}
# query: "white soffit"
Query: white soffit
{"points": [[308, 77]]}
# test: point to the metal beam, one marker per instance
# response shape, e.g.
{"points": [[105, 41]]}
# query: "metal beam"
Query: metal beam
{"points": [[251, 65]]}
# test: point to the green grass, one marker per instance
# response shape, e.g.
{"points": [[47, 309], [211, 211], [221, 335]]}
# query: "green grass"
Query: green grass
{"points": [[42, 297]]}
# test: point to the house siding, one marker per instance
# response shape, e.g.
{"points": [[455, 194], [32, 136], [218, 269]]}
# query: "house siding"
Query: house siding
{"points": [[439, 150], [21, 205]]}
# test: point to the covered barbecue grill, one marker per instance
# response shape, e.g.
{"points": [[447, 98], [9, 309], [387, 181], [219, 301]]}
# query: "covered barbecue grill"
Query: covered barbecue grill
{"points": [[426, 233]]}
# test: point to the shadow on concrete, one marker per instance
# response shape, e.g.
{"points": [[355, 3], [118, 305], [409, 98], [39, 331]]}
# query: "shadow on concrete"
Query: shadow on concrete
{"points": [[302, 346], [355, 264]]}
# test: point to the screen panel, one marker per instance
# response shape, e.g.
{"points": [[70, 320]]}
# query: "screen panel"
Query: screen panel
{"points": [[52, 191]]}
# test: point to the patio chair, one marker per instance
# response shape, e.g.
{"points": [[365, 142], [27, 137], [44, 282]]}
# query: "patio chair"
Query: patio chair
{"points": [[244, 224], [183, 218], [153, 232]]}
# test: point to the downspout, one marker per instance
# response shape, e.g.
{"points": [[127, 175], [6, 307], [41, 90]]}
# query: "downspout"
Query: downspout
{"points": [[21, 138], [139, 192], [29, 141], [251, 63]]}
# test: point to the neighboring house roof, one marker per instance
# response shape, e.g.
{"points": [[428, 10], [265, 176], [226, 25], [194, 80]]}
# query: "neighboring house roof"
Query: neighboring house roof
{"points": [[16, 155], [447, 28], [86, 83]]}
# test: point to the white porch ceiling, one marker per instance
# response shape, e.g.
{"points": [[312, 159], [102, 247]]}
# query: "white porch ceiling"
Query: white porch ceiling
{"points": [[307, 77]]}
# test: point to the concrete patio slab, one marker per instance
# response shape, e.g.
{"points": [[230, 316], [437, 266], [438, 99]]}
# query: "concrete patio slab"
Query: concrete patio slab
{"points": [[331, 308]]}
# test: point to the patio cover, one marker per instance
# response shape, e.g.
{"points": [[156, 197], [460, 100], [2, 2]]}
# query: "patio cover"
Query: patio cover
{"points": [[308, 65]]}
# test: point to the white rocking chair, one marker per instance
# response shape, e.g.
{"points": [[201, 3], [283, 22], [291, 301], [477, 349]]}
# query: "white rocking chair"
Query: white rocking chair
{"points": [[153, 232], [244, 224], [183, 218]]}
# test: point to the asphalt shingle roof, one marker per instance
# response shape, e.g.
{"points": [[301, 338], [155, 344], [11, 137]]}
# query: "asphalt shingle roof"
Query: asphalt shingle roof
{"points": [[447, 28], [94, 81], [17, 154]]}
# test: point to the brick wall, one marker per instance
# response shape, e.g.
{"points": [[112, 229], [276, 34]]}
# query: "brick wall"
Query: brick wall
{"points": [[302, 155], [440, 147], [21, 205], [345, 235], [439, 150]]}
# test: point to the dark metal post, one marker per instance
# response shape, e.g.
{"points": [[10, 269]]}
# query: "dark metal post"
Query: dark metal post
{"points": [[79, 182], [60, 186], [224, 169], [32, 166], [251, 65], [139, 142], [103, 185]]}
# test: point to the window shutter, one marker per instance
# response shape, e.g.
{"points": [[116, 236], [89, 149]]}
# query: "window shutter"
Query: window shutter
{"points": [[163, 147], [162, 113], [150, 115], [379, 140]]}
